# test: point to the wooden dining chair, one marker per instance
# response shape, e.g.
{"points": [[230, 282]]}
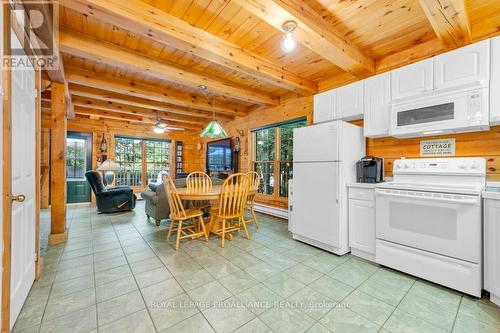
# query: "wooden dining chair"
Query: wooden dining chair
{"points": [[194, 227], [254, 179], [232, 200], [199, 182]]}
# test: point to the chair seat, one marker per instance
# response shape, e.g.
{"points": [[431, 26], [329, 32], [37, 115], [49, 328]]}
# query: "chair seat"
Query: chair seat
{"points": [[190, 213]]}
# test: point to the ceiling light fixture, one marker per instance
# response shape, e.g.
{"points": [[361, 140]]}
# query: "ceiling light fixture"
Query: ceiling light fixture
{"points": [[288, 41], [214, 129]]}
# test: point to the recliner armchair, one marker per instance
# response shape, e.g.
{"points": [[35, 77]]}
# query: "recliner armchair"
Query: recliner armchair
{"points": [[110, 200]]}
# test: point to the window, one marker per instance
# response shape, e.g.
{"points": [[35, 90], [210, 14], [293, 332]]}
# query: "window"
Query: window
{"points": [[273, 158], [219, 155], [76, 158], [265, 152], [157, 159], [141, 159]]}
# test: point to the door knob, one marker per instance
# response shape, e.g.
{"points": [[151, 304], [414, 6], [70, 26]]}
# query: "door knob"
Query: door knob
{"points": [[18, 198]]}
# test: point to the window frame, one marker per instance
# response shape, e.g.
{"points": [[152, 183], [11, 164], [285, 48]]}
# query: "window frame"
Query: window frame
{"points": [[275, 196], [144, 161]]}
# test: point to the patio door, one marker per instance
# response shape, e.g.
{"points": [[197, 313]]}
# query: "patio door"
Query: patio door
{"points": [[23, 186], [78, 161]]}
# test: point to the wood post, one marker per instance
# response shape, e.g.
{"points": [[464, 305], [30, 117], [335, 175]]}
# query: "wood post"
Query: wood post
{"points": [[58, 165]]}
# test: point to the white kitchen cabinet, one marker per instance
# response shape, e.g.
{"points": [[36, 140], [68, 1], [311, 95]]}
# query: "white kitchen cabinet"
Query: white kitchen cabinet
{"points": [[362, 220], [492, 245], [413, 79], [349, 101], [377, 105], [324, 106], [495, 82], [466, 65]]}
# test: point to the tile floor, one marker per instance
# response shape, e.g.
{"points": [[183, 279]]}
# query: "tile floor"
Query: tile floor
{"points": [[117, 273]]}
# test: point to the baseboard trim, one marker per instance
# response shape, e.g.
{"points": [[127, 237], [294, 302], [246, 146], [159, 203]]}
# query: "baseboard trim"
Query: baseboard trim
{"points": [[270, 210]]}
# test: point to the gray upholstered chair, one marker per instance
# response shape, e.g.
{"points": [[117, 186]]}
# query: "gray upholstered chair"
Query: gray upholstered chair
{"points": [[155, 198]]}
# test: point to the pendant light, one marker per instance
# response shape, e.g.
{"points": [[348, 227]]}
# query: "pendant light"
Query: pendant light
{"points": [[214, 129], [288, 42]]}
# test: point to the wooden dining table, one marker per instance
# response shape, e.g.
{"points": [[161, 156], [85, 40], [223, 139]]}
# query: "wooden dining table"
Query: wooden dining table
{"points": [[212, 195]]}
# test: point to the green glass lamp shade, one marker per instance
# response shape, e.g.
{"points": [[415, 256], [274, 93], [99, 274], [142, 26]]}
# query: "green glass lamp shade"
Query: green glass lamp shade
{"points": [[214, 130]]}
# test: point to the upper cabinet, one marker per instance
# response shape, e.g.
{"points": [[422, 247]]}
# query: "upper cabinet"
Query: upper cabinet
{"points": [[413, 79], [495, 82], [349, 101], [324, 106], [345, 103], [377, 105], [469, 64]]}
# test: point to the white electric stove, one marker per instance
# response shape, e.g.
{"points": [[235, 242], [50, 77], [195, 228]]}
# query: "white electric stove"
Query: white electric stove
{"points": [[429, 221]]}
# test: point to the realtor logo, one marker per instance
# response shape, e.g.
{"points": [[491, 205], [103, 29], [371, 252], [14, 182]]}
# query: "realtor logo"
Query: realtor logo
{"points": [[35, 26]]}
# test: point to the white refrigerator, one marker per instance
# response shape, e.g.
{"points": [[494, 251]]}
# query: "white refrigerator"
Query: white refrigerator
{"points": [[324, 161]]}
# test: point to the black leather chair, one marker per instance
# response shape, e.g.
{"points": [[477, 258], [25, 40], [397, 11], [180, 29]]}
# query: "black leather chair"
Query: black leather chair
{"points": [[110, 200]]}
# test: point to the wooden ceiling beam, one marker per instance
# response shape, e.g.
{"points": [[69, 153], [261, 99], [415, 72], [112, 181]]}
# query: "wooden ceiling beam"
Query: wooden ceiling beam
{"points": [[111, 54], [131, 110], [411, 55], [130, 118], [88, 92], [143, 19], [395, 60], [449, 20], [154, 93], [313, 32]]}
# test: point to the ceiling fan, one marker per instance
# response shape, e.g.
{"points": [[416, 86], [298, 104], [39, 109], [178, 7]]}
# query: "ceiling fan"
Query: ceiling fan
{"points": [[161, 127]]}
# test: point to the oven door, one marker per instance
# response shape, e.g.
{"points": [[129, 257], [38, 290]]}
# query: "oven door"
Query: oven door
{"points": [[446, 224]]}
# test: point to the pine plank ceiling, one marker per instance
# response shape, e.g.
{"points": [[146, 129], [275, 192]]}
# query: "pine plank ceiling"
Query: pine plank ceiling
{"points": [[151, 55]]}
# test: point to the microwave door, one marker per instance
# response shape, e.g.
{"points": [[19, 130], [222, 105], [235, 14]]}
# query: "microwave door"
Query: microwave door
{"points": [[428, 114]]}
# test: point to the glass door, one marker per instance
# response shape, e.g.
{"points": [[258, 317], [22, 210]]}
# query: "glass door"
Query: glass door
{"points": [[78, 161]]}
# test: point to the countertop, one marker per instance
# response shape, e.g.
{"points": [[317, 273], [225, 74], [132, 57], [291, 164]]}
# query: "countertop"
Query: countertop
{"points": [[363, 185], [491, 193]]}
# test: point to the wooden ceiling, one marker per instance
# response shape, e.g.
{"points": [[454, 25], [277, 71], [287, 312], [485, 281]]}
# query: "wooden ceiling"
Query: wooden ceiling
{"points": [[139, 60]]}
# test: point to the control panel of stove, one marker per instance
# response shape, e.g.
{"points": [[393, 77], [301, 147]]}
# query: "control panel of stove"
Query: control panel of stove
{"points": [[460, 165]]}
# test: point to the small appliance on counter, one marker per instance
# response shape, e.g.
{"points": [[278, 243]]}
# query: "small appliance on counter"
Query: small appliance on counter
{"points": [[370, 169]]}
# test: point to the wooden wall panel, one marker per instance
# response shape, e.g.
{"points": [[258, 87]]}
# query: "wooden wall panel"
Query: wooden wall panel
{"points": [[290, 108], [193, 159], [45, 168], [476, 144]]}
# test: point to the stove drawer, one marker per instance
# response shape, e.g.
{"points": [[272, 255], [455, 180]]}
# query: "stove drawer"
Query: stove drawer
{"points": [[445, 224]]}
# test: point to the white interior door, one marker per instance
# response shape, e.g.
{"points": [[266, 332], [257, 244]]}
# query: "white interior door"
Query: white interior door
{"points": [[23, 183]]}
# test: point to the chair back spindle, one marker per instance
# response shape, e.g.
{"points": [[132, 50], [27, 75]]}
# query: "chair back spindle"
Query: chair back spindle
{"points": [[174, 201], [234, 195], [198, 182]]}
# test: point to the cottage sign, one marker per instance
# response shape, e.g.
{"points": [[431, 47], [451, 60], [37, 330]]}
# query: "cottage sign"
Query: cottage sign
{"points": [[442, 147]]}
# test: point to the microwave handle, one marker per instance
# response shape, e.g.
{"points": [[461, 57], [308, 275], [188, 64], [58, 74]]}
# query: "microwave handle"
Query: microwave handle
{"points": [[429, 196]]}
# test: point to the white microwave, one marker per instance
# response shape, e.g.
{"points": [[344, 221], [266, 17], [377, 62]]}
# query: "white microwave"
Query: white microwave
{"points": [[454, 110]]}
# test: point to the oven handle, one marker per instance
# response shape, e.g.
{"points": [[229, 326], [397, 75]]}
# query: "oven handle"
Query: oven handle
{"points": [[441, 197]]}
